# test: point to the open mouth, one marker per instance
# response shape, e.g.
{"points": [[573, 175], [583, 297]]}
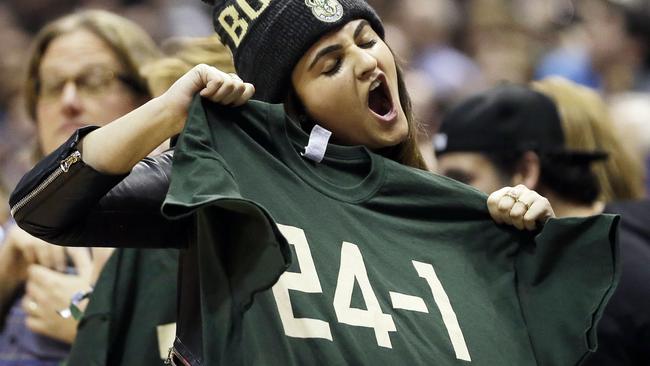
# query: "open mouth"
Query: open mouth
{"points": [[379, 100]]}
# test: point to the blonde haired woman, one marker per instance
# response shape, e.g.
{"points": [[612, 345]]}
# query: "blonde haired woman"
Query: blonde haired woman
{"points": [[587, 126], [83, 68]]}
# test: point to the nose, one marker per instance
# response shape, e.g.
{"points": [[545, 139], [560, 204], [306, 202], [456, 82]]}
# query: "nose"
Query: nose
{"points": [[70, 99], [366, 63]]}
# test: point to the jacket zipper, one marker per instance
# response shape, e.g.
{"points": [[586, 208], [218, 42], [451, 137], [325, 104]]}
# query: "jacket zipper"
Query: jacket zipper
{"points": [[64, 167]]}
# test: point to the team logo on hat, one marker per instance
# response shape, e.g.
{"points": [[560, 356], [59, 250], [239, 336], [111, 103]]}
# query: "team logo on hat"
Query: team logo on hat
{"points": [[328, 11]]}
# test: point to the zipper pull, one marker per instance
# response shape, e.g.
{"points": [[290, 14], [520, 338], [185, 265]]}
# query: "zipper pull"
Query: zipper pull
{"points": [[70, 160]]}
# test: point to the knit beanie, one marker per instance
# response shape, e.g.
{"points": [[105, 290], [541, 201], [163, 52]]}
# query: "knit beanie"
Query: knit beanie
{"points": [[268, 37]]}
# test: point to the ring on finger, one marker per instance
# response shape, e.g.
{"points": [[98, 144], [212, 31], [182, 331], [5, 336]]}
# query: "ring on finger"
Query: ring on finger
{"points": [[514, 194], [523, 203], [64, 313]]}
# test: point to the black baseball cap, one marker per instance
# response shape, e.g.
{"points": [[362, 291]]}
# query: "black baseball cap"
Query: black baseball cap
{"points": [[506, 119]]}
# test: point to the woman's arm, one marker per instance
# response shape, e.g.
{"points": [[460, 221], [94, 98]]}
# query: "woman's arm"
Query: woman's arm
{"points": [[88, 199], [118, 146], [83, 207]]}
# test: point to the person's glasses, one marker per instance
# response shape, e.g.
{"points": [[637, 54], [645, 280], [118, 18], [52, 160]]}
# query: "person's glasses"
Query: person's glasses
{"points": [[93, 81]]}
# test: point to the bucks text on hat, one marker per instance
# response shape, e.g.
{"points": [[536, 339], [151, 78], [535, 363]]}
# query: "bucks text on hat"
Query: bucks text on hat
{"points": [[236, 17]]}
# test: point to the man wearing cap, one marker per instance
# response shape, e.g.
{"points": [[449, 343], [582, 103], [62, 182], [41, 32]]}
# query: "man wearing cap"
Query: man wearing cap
{"points": [[513, 135]]}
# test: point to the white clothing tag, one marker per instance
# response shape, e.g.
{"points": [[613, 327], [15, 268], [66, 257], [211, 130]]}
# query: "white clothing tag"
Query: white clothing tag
{"points": [[318, 140]]}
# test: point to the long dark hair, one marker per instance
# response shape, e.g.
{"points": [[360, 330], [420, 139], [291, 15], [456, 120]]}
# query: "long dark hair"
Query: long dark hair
{"points": [[407, 151]]}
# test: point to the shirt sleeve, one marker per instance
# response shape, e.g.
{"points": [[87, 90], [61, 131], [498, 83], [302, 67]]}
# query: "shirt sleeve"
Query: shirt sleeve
{"points": [[238, 234], [64, 201], [566, 276]]}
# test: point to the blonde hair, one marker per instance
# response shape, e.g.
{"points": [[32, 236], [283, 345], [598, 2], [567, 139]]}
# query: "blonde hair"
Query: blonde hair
{"points": [[182, 55], [133, 47], [587, 126]]}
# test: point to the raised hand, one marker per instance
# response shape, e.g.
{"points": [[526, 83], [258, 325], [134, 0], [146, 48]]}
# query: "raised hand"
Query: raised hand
{"points": [[519, 206], [210, 83]]}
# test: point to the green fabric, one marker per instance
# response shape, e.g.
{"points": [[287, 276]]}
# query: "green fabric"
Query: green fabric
{"points": [[134, 294], [365, 236]]}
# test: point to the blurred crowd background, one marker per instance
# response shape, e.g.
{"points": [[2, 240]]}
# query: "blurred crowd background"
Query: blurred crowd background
{"points": [[450, 49]]}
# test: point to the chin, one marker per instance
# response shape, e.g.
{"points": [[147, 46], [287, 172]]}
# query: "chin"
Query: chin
{"points": [[389, 141], [401, 135]]}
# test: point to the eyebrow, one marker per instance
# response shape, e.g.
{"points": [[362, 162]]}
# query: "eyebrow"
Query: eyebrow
{"points": [[54, 69], [323, 52], [336, 47], [360, 27]]}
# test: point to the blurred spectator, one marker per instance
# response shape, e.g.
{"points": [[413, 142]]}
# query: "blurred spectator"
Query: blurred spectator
{"points": [[83, 68], [160, 18], [189, 18], [499, 42], [587, 126], [567, 49], [431, 26], [437, 72], [15, 131], [619, 35], [609, 48]]}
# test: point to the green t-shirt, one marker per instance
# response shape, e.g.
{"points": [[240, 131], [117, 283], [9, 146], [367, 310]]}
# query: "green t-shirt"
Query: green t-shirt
{"points": [[386, 264]]}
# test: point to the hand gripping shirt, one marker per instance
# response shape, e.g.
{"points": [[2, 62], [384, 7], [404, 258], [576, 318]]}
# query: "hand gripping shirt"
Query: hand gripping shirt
{"points": [[377, 263]]}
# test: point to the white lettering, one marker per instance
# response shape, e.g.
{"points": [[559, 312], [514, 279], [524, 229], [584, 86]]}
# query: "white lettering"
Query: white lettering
{"points": [[250, 12], [235, 26], [352, 268], [427, 272], [306, 281]]}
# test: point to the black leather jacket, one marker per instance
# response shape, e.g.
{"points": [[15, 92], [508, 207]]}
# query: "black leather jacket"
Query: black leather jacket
{"points": [[64, 201]]}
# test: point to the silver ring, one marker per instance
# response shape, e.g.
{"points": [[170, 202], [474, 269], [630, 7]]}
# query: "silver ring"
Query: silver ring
{"points": [[514, 194], [64, 313]]}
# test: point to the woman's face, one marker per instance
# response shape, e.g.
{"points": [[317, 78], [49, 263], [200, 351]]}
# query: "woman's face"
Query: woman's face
{"points": [[80, 84], [347, 82]]}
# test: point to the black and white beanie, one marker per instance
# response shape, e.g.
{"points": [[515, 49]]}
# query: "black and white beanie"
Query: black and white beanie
{"points": [[268, 37]]}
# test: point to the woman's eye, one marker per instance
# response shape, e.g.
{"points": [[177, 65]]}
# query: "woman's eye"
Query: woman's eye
{"points": [[334, 68], [369, 44]]}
